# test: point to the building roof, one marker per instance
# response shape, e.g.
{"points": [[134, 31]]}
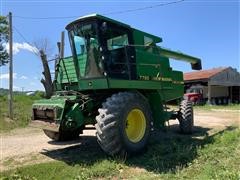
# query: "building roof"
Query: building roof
{"points": [[203, 74]]}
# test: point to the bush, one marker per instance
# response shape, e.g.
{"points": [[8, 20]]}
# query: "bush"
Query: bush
{"points": [[22, 106]]}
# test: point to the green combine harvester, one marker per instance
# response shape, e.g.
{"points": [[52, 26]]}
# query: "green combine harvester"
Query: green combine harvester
{"points": [[117, 79]]}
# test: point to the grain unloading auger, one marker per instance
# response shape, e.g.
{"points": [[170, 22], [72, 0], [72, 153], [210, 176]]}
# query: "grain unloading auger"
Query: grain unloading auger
{"points": [[117, 79]]}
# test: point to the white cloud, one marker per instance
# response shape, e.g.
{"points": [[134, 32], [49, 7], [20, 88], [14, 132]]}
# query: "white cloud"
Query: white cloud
{"points": [[23, 77], [6, 76], [18, 46]]}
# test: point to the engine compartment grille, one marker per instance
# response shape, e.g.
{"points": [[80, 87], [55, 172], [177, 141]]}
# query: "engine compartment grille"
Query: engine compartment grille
{"points": [[46, 114]]}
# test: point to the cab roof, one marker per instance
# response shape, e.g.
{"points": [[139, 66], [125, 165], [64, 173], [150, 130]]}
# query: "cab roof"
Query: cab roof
{"points": [[96, 16], [156, 39]]}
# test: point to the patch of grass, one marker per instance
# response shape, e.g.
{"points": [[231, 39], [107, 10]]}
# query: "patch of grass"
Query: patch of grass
{"points": [[217, 160], [61, 170], [169, 156], [22, 112]]}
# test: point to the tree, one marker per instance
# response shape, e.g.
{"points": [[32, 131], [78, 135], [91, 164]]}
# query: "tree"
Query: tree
{"points": [[43, 51], [4, 36]]}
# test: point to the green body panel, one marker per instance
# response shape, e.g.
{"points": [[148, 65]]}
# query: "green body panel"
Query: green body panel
{"points": [[56, 104], [165, 88], [139, 37], [150, 63], [93, 83], [74, 117], [64, 111], [160, 115], [69, 74]]}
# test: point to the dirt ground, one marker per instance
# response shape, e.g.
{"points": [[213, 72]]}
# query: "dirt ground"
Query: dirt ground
{"points": [[27, 146]]}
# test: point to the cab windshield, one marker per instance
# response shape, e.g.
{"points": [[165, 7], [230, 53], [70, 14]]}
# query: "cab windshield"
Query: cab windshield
{"points": [[85, 45]]}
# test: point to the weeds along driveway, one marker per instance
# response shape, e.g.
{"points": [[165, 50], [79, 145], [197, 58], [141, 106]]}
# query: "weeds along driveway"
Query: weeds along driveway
{"points": [[30, 145]]}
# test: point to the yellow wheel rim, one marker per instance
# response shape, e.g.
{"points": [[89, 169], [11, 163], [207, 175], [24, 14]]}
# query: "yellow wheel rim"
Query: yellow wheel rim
{"points": [[135, 125]]}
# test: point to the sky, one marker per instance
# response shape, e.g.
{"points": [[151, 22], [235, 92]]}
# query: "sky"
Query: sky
{"points": [[205, 29]]}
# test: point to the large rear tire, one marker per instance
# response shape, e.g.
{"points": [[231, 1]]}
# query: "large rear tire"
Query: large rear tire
{"points": [[123, 124], [185, 117]]}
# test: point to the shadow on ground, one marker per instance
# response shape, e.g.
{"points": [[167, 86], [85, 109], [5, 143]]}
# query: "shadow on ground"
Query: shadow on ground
{"points": [[87, 151], [167, 151]]}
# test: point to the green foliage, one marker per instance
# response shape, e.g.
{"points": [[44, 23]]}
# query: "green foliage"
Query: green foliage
{"points": [[3, 40], [60, 171], [169, 156], [3, 92], [40, 94], [22, 111]]}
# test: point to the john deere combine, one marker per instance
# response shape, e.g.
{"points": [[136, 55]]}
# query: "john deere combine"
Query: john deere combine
{"points": [[117, 79]]}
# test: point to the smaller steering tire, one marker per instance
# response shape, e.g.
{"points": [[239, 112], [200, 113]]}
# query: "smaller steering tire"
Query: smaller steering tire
{"points": [[185, 117]]}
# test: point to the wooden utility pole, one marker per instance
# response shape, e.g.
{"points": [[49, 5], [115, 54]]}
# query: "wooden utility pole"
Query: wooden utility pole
{"points": [[10, 98], [62, 45], [62, 53]]}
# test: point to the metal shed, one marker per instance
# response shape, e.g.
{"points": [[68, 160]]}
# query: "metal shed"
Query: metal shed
{"points": [[218, 84]]}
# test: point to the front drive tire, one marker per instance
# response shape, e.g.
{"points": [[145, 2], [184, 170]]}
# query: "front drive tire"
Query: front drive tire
{"points": [[123, 124]]}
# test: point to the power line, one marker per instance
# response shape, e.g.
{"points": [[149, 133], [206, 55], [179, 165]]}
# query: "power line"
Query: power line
{"points": [[22, 36], [45, 18], [52, 59], [144, 8], [25, 39], [110, 13]]}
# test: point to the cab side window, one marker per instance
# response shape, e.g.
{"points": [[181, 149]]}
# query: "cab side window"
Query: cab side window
{"points": [[117, 42], [148, 41]]}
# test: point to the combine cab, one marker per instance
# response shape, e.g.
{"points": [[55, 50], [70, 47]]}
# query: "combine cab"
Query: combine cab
{"points": [[117, 79]]}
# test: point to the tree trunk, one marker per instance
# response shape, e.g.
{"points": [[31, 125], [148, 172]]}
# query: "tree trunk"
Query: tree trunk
{"points": [[47, 80]]}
